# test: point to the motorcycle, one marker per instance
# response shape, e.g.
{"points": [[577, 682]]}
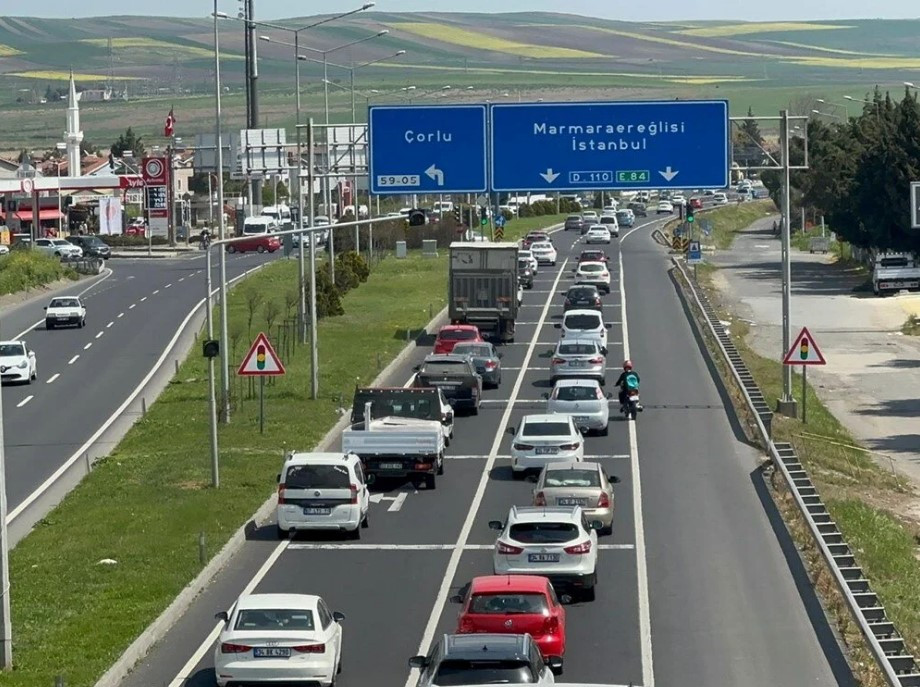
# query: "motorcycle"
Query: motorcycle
{"points": [[632, 405]]}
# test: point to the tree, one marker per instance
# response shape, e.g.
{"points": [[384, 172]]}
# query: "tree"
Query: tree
{"points": [[128, 141]]}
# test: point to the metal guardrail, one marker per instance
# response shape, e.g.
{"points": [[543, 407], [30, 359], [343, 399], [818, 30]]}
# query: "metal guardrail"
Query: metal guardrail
{"points": [[85, 265], [885, 642]]}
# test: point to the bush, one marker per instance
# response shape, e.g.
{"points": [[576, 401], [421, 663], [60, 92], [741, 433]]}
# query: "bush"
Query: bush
{"points": [[22, 270], [121, 240], [356, 263], [328, 302]]}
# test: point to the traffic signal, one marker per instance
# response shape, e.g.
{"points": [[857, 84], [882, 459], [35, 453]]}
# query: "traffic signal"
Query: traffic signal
{"points": [[457, 214], [483, 216], [803, 348], [417, 218], [210, 348], [690, 214]]}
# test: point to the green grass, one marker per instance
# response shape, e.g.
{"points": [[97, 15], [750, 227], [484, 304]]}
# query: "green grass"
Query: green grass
{"points": [[911, 326], [730, 219], [145, 505], [26, 270], [520, 227]]}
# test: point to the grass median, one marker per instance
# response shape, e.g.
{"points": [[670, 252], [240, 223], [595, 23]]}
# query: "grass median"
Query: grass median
{"points": [[730, 219], [23, 270], [519, 227], [145, 505]]}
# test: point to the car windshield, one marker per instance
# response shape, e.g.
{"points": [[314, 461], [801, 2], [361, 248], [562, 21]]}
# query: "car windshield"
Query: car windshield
{"points": [[524, 254], [577, 349], [524, 264], [317, 477], [274, 619], [543, 532], [11, 349], [453, 672], [573, 218], [572, 478], [476, 350], [64, 303], [445, 367], [508, 603], [592, 268], [457, 335], [585, 321], [545, 429], [575, 393]]}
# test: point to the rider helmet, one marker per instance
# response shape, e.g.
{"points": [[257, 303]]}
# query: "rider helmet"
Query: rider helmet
{"points": [[627, 364]]}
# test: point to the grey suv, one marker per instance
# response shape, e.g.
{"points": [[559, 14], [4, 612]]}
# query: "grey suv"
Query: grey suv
{"points": [[579, 358]]}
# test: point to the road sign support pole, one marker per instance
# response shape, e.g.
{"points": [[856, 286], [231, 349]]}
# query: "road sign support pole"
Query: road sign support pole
{"points": [[261, 405], [787, 404], [6, 627], [314, 357], [804, 393], [212, 385]]}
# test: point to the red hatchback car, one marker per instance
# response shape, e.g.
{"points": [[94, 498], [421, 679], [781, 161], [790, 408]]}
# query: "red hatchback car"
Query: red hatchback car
{"points": [[264, 243], [696, 203], [593, 256], [514, 604], [451, 334]]}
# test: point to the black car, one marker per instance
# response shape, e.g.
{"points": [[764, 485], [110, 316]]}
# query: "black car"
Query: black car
{"points": [[582, 297], [455, 375], [639, 209], [525, 274], [573, 222], [93, 246]]}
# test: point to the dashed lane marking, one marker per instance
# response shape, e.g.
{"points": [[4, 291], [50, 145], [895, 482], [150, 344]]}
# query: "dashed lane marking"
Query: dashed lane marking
{"points": [[51, 379], [24, 401], [73, 360]]}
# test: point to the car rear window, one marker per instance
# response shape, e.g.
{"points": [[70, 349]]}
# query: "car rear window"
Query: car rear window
{"points": [[543, 532], [64, 303], [577, 349], [582, 292], [592, 268], [894, 262], [608, 219], [317, 477], [573, 218], [445, 367], [575, 393], [591, 255], [582, 321], [273, 619], [543, 245], [572, 478], [457, 335], [545, 429], [452, 672], [505, 603], [473, 349]]}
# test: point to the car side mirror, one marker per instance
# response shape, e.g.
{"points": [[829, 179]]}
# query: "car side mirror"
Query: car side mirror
{"points": [[511, 430], [613, 479], [418, 662], [223, 615], [607, 325], [496, 525], [557, 325], [45, 308], [456, 599], [604, 350], [565, 598], [554, 663], [597, 525], [338, 616], [417, 368], [500, 355]]}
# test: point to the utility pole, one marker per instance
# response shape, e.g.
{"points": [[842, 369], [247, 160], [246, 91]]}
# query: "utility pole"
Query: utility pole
{"points": [[252, 91], [6, 628], [787, 404], [314, 357]]}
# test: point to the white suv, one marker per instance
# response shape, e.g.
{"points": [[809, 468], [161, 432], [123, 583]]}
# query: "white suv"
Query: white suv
{"points": [[584, 324], [322, 491], [555, 542]]}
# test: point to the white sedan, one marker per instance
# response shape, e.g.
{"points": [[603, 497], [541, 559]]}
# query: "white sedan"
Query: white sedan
{"points": [[279, 637], [599, 233], [544, 438], [594, 273], [59, 248], [526, 254], [65, 310], [665, 206], [544, 252], [17, 362]]}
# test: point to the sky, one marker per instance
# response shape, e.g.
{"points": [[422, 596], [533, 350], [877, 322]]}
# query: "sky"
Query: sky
{"points": [[628, 10]]}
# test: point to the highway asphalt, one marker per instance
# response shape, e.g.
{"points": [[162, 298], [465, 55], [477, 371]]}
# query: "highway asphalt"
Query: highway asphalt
{"points": [[84, 375], [698, 584]]}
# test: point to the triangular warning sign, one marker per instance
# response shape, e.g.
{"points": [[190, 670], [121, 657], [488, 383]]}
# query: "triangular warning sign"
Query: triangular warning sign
{"points": [[261, 361], [804, 351]]}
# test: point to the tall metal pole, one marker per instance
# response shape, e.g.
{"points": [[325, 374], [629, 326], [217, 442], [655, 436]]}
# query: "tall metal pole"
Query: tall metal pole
{"points": [[300, 213], [314, 357], [212, 386], [327, 191], [219, 160], [787, 405], [252, 77], [6, 626], [353, 115]]}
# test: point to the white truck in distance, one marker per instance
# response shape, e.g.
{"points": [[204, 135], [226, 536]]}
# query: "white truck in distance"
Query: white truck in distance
{"points": [[397, 447], [894, 272]]}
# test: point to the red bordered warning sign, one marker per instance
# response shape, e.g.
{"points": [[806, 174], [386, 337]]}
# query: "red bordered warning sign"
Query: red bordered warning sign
{"points": [[804, 351], [261, 361]]}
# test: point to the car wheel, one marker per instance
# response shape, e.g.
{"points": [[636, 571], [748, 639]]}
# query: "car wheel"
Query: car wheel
{"points": [[82, 323], [49, 324], [355, 533], [588, 594], [280, 532], [606, 531], [441, 464], [430, 482], [231, 248], [605, 431], [475, 409], [261, 249]]}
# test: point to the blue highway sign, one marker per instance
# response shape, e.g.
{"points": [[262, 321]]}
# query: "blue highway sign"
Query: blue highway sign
{"points": [[694, 253], [616, 145], [500, 221], [427, 149]]}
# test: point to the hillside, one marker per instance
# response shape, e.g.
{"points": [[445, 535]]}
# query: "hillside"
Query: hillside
{"points": [[516, 55]]}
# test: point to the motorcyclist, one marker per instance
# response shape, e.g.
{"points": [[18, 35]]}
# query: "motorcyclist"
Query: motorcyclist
{"points": [[624, 384], [205, 239]]}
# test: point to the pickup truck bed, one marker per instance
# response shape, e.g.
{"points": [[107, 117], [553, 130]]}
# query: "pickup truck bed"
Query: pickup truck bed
{"points": [[398, 447]]}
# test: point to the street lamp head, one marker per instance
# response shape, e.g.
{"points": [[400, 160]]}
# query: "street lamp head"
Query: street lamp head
{"points": [[383, 33], [399, 52], [847, 97], [821, 100], [267, 39], [220, 15], [368, 5], [445, 88], [303, 58], [909, 84]]}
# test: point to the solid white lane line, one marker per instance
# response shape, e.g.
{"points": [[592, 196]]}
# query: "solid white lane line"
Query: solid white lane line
{"points": [[121, 314], [423, 547], [454, 562], [24, 401], [73, 360], [99, 334], [81, 294], [52, 378], [88, 346], [602, 456], [187, 669], [132, 306], [645, 622], [109, 325]]}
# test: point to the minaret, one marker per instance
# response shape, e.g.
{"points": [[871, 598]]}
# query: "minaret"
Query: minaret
{"points": [[74, 136]]}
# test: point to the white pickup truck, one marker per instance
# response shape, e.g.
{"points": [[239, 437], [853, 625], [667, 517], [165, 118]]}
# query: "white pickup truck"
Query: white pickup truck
{"points": [[894, 272], [397, 447]]}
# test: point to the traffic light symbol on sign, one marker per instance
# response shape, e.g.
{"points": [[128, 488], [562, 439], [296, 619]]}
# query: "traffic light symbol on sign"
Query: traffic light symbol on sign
{"points": [[803, 348], [804, 351], [260, 357], [261, 360]]}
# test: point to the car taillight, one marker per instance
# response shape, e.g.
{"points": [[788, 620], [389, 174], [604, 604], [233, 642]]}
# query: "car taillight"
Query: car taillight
{"points": [[570, 447], [603, 501], [354, 492], [523, 447], [599, 394], [466, 626], [597, 300], [507, 549], [490, 365], [280, 494], [539, 499], [227, 648], [310, 648], [579, 548], [605, 275], [558, 361], [551, 625], [596, 361]]}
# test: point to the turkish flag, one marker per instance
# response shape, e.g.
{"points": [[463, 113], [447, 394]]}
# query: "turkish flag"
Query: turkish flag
{"points": [[170, 124]]}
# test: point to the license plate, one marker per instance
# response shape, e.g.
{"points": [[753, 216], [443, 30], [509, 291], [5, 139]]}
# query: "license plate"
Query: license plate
{"points": [[271, 652], [543, 557], [447, 383], [62, 317], [582, 418], [573, 502], [317, 511], [546, 450], [577, 363], [391, 466]]}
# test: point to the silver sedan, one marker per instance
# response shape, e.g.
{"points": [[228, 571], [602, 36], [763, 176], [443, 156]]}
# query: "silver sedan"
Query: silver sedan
{"points": [[584, 484], [579, 357], [486, 359], [584, 400]]}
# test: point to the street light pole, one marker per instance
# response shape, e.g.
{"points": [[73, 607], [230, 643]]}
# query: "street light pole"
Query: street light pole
{"points": [[212, 392], [327, 160], [314, 357], [787, 405], [6, 626], [300, 214], [219, 159]]}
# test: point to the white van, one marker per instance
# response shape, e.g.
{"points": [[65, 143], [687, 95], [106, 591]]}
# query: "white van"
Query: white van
{"points": [[322, 491], [253, 226], [280, 213], [444, 206]]}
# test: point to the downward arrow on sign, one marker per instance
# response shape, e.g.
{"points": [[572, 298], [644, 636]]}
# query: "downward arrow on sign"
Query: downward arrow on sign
{"points": [[549, 175], [668, 174]]}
